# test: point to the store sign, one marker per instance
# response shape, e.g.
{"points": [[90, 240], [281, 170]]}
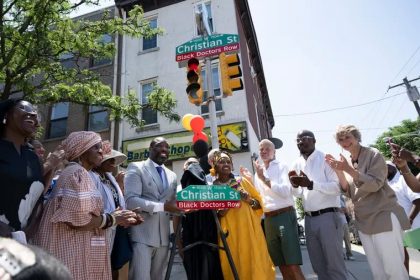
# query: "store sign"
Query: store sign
{"points": [[232, 137], [207, 46], [208, 197]]}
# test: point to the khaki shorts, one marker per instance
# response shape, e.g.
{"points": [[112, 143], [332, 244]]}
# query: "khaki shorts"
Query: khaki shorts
{"points": [[282, 239]]}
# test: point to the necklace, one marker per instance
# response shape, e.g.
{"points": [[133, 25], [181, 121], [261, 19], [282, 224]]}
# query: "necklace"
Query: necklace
{"points": [[355, 162], [224, 182]]}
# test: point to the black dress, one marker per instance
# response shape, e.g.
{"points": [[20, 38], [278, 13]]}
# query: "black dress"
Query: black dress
{"points": [[201, 262], [21, 184]]}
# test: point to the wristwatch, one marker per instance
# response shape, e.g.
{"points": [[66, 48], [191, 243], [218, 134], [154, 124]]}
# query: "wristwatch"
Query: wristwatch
{"points": [[311, 185], [253, 203]]}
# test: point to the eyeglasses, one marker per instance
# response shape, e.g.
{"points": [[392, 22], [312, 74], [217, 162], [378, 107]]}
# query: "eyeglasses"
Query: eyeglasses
{"points": [[304, 139], [26, 107], [224, 161]]}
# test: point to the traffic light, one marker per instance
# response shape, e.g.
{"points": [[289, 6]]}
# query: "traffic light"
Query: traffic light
{"points": [[194, 88], [230, 73]]}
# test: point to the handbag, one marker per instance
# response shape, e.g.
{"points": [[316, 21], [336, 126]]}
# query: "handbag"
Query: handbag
{"points": [[122, 251]]}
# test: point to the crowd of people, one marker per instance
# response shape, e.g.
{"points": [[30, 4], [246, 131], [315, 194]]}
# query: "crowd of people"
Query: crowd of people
{"points": [[76, 205]]}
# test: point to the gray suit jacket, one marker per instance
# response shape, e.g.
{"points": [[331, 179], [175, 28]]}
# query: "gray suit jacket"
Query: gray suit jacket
{"points": [[142, 184]]}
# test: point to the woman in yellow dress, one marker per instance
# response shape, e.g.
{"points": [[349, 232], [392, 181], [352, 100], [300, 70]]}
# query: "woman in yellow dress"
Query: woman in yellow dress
{"points": [[242, 226]]}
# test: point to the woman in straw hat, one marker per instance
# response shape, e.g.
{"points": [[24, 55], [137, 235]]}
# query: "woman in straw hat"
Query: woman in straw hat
{"points": [[73, 224], [111, 189]]}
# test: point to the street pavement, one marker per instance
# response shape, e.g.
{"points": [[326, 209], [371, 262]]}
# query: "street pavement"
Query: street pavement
{"points": [[358, 269]]}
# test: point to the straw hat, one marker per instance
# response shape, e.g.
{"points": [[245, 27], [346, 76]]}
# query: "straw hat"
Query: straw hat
{"points": [[119, 157]]}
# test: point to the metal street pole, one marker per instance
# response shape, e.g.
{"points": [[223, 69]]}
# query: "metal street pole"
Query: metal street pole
{"points": [[211, 103], [412, 92]]}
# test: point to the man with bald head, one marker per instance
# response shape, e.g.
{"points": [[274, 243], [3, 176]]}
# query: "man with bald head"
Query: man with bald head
{"points": [[316, 183], [151, 187], [280, 223]]}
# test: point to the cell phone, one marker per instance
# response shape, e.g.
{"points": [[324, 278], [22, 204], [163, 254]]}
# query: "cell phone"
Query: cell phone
{"points": [[388, 141]]}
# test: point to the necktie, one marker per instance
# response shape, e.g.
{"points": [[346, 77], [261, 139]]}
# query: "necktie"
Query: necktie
{"points": [[162, 176]]}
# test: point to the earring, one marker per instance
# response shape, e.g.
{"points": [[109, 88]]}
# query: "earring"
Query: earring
{"points": [[4, 121]]}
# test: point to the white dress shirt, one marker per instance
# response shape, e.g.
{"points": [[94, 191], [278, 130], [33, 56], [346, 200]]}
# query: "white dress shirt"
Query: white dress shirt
{"points": [[405, 196], [280, 193], [326, 189]]}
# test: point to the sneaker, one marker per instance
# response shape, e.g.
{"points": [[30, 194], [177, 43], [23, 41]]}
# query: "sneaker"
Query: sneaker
{"points": [[351, 258]]}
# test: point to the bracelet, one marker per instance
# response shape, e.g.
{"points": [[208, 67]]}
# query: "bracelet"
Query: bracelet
{"points": [[253, 203], [406, 172], [103, 221], [108, 221], [114, 220]]}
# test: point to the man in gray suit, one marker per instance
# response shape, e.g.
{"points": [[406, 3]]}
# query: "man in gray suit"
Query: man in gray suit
{"points": [[150, 186]]}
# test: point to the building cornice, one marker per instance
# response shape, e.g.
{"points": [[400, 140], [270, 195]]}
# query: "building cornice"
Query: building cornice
{"points": [[251, 39]]}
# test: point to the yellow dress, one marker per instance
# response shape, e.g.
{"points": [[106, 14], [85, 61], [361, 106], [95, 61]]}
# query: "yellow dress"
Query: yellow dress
{"points": [[246, 241]]}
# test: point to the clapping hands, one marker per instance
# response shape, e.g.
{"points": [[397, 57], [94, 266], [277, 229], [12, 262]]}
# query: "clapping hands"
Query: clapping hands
{"points": [[301, 180]]}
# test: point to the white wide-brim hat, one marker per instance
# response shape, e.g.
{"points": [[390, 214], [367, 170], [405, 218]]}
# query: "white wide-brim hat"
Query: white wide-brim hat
{"points": [[119, 157]]}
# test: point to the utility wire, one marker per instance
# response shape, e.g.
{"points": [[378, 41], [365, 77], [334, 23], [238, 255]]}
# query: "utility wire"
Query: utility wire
{"points": [[402, 68], [412, 68], [338, 108]]}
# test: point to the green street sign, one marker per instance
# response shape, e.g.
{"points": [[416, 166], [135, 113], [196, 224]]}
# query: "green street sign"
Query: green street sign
{"points": [[199, 197], [207, 46], [208, 193]]}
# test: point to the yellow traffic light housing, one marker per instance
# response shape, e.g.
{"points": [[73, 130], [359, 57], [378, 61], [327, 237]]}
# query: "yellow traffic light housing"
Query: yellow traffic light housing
{"points": [[230, 71], [194, 88]]}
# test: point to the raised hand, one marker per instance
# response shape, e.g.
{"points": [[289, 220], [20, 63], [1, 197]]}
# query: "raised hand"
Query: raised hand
{"points": [[246, 173], [291, 174]]}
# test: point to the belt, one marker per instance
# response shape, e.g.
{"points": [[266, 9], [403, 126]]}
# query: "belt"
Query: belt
{"points": [[278, 211], [322, 211]]}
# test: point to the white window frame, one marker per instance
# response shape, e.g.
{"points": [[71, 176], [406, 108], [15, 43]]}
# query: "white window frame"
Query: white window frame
{"points": [[141, 84], [207, 4], [214, 65], [156, 36]]}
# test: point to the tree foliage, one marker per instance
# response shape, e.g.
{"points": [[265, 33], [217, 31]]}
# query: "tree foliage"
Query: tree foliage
{"points": [[299, 208], [407, 135], [34, 37]]}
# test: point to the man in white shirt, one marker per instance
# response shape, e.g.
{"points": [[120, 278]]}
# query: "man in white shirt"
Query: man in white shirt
{"points": [[317, 184], [408, 199], [271, 181]]}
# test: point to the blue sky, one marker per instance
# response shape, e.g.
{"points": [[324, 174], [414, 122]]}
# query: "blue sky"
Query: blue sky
{"points": [[325, 54]]}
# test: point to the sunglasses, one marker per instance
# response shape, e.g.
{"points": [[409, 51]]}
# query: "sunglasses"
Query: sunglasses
{"points": [[303, 139], [26, 107]]}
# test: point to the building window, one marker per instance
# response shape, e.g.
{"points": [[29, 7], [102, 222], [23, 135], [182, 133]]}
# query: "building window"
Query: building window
{"points": [[209, 16], [151, 42], [58, 120], [68, 60], [98, 118], [216, 89], [148, 115], [98, 61]]}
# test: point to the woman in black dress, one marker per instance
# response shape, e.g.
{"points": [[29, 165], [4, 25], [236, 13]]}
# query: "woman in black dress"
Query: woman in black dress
{"points": [[20, 169], [202, 261]]}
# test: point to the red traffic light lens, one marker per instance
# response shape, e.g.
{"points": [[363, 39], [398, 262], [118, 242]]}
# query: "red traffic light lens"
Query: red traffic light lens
{"points": [[193, 64]]}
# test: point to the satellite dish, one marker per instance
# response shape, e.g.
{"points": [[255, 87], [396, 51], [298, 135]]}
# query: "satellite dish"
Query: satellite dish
{"points": [[277, 142]]}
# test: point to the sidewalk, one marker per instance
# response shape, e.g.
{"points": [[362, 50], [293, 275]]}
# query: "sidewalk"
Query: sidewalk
{"points": [[358, 269]]}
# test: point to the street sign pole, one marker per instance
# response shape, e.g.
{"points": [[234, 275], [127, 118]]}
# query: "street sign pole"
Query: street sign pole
{"points": [[211, 103]]}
